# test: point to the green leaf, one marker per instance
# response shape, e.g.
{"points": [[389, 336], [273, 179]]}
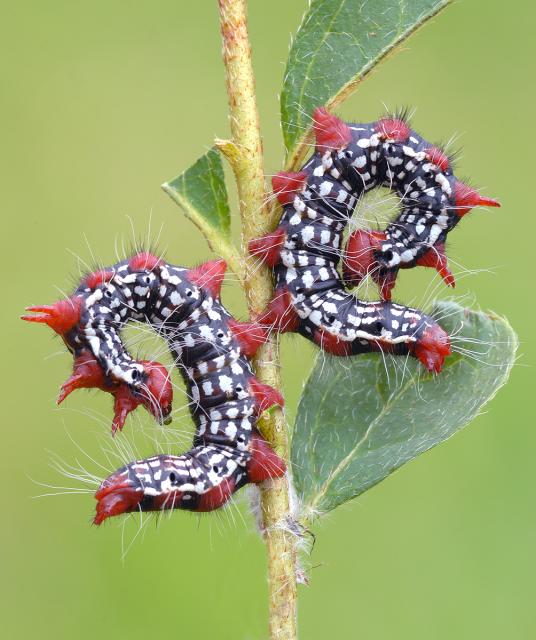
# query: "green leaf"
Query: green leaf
{"points": [[360, 419], [337, 44], [201, 193]]}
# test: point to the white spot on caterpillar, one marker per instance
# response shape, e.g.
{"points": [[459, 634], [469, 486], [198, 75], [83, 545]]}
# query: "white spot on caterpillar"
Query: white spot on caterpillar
{"points": [[226, 384]]}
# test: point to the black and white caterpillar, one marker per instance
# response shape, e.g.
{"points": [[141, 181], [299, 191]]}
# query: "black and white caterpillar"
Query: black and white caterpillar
{"points": [[212, 351], [318, 202]]}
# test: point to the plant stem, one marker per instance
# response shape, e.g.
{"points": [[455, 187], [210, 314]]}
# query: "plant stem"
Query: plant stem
{"points": [[247, 164]]}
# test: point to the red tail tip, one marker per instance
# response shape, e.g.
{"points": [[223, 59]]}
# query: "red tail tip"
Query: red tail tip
{"points": [[287, 184], [466, 198], [115, 499], [330, 132], [60, 316]]}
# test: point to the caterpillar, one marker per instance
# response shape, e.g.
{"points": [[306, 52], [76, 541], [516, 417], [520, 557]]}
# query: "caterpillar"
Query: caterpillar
{"points": [[212, 351], [318, 202]]}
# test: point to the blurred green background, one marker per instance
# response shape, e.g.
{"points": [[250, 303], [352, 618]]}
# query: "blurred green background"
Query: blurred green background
{"points": [[101, 103]]}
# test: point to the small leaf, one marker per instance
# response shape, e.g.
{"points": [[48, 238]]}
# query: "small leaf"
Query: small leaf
{"points": [[337, 44], [201, 193], [360, 419]]}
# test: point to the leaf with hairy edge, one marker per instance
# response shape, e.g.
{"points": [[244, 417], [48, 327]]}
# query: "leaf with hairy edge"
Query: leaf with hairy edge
{"points": [[201, 193], [337, 44], [360, 419]]}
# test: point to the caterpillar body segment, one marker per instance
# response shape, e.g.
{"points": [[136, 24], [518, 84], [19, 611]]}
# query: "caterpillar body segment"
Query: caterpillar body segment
{"points": [[212, 352]]}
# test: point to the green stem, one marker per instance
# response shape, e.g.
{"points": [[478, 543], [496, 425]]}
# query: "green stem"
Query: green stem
{"points": [[247, 162]]}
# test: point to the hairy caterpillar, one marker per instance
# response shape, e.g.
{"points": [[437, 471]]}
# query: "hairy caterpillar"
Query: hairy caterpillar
{"points": [[212, 352], [318, 202]]}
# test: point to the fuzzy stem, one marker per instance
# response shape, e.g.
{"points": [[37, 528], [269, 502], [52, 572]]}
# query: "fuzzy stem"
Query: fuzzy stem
{"points": [[247, 163]]}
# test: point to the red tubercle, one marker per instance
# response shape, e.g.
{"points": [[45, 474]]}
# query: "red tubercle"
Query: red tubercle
{"points": [[332, 344], [432, 348], [393, 129], [217, 496], [264, 395], [330, 132], [61, 316], [268, 247], [466, 198], [436, 259], [124, 403], [209, 276], [98, 278], [438, 157], [264, 463], [280, 313], [358, 259], [286, 184], [249, 335], [87, 374], [144, 260], [114, 499]]}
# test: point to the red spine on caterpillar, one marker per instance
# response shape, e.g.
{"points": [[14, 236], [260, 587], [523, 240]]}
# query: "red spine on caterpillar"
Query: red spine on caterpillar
{"points": [[393, 129], [268, 247], [330, 132], [98, 278], [249, 335], [280, 313], [466, 198], [436, 258], [60, 316], [209, 276], [438, 157], [124, 403], [87, 374], [116, 496], [217, 496], [359, 260], [264, 395], [264, 463], [432, 348], [144, 260], [287, 184]]}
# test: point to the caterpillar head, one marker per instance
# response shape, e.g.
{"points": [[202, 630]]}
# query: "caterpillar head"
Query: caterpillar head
{"points": [[153, 390], [161, 483], [431, 347], [417, 334]]}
